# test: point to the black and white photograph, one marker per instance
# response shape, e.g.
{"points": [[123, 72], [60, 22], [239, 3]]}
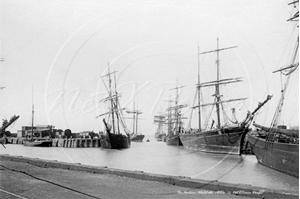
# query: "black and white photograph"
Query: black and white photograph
{"points": [[149, 99]]}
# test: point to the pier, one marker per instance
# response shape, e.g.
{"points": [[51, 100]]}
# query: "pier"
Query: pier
{"points": [[102, 182], [67, 143]]}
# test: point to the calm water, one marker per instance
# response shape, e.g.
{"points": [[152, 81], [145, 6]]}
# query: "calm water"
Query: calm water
{"points": [[157, 157]]}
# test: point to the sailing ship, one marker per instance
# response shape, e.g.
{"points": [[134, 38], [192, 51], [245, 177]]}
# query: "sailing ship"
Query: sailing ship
{"points": [[36, 138], [227, 139], [135, 136], [174, 122], [276, 146], [116, 134], [160, 119]]}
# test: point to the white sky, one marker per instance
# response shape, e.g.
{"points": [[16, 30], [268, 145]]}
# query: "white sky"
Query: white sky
{"points": [[61, 49]]}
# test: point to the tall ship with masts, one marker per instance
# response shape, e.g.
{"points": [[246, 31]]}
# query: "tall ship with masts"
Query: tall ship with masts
{"points": [[116, 135], [174, 121], [275, 146], [135, 135], [226, 139], [160, 132]]}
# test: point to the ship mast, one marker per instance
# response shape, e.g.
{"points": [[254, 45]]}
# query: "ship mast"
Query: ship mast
{"points": [[217, 83], [110, 98], [111, 101], [169, 115], [160, 119], [287, 71], [177, 113], [116, 104], [135, 118], [198, 89]]}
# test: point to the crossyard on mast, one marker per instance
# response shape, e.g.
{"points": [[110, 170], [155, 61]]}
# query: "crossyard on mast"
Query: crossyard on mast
{"points": [[135, 118], [176, 120], [160, 120], [217, 83], [287, 71], [278, 112], [115, 111]]}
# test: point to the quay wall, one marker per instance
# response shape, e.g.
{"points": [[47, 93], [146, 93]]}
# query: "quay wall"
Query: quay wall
{"points": [[68, 143], [181, 181]]}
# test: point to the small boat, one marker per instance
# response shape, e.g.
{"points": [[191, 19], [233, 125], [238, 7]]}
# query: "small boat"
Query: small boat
{"points": [[227, 138], [35, 138], [38, 142], [276, 146], [38, 138], [116, 134]]}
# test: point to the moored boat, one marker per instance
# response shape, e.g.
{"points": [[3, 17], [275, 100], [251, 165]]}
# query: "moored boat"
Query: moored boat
{"points": [[174, 122], [163, 137], [116, 134], [135, 136], [160, 135], [38, 142], [38, 138], [35, 138], [227, 138], [173, 140], [280, 155], [276, 146], [114, 140]]}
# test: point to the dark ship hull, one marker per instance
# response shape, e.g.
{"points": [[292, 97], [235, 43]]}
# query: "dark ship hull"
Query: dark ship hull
{"points": [[137, 138], [223, 141], [283, 157], [38, 143], [173, 140], [114, 141]]}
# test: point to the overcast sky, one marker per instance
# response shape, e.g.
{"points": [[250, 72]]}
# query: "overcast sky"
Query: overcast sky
{"points": [[60, 49]]}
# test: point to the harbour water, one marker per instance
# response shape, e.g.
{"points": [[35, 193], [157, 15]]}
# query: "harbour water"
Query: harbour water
{"points": [[157, 157]]}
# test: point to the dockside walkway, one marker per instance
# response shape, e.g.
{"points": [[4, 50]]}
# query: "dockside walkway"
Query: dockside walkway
{"points": [[22, 177]]}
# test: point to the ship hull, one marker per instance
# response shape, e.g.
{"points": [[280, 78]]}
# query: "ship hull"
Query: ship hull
{"points": [[229, 141], [137, 138], [164, 138], [38, 143], [114, 141], [283, 157], [173, 140], [160, 137]]}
